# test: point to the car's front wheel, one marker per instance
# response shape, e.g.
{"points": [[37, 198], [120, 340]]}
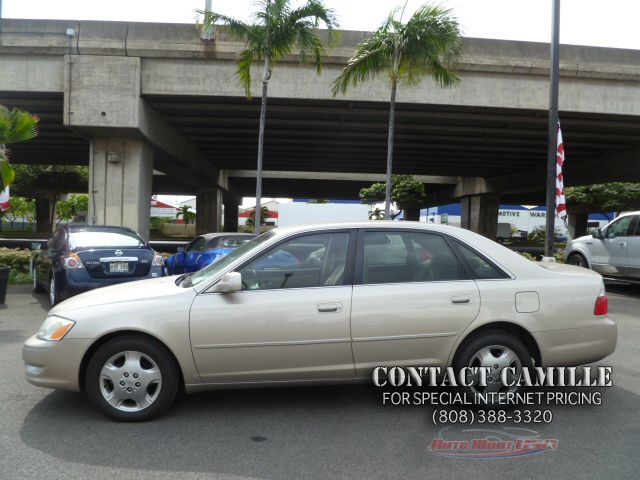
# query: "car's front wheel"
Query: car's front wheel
{"points": [[578, 260], [132, 378], [495, 351]]}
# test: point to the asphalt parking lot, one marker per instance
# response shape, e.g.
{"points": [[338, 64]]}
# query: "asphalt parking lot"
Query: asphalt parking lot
{"points": [[293, 433]]}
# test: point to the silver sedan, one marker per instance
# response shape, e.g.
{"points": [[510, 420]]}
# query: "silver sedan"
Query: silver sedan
{"points": [[327, 304]]}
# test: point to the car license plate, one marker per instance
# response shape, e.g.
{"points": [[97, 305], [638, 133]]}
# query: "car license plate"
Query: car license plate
{"points": [[119, 267]]}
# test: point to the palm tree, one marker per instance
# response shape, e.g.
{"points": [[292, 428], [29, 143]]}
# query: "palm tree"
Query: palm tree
{"points": [[277, 30], [186, 213], [428, 44], [264, 214], [376, 214], [15, 126]]}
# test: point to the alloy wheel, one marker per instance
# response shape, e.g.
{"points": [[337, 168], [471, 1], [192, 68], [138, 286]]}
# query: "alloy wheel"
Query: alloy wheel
{"points": [[130, 381]]}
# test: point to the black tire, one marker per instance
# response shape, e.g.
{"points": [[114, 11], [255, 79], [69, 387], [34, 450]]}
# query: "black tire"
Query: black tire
{"points": [[486, 339], [37, 288], [578, 260], [170, 375]]}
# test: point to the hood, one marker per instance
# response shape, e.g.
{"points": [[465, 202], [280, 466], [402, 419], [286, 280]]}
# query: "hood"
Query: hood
{"points": [[584, 238], [130, 292]]}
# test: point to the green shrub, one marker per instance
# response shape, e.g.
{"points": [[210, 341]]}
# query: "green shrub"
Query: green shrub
{"points": [[19, 278], [527, 255], [18, 259]]}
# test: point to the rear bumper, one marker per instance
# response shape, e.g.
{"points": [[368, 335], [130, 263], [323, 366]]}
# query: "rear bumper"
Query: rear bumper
{"points": [[578, 346], [79, 281], [54, 364]]}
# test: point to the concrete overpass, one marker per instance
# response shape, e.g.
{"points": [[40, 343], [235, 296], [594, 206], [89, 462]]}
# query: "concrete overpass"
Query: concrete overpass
{"points": [[130, 98]]}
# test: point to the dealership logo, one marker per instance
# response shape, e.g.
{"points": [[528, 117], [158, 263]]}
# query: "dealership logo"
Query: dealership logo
{"points": [[118, 253], [488, 443]]}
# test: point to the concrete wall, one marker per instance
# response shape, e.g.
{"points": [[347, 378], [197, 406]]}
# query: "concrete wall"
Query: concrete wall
{"points": [[175, 61]]}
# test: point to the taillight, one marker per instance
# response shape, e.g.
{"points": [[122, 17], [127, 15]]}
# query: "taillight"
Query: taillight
{"points": [[71, 261], [158, 261], [602, 304]]}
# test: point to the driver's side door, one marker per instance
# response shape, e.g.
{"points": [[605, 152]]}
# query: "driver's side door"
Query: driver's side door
{"points": [[291, 321], [610, 252]]}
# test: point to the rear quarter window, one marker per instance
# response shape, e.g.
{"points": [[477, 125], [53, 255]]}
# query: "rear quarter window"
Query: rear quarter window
{"points": [[479, 266]]}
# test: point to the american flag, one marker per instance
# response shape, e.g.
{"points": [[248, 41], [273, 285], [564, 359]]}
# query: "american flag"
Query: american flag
{"points": [[4, 200], [561, 203]]}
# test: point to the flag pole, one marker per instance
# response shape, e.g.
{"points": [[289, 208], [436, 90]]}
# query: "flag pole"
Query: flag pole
{"points": [[552, 137]]}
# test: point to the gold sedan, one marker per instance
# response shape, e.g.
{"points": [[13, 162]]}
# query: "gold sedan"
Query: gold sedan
{"points": [[324, 303]]}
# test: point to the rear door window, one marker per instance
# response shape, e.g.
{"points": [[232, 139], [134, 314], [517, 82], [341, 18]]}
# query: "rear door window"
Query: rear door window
{"points": [[480, 267], [399, 257]]}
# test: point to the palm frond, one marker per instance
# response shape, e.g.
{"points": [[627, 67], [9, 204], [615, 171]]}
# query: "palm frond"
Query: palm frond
{"points": [[371, 57], [244, 60], [429, 44], [17, 125]]}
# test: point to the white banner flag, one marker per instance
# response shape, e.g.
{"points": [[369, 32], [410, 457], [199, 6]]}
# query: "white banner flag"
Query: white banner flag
{"points": [[4, 200]]}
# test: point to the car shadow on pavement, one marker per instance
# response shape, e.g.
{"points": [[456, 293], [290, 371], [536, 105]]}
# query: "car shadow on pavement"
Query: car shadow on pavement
{"points": [[626, 289], [310, 432]]}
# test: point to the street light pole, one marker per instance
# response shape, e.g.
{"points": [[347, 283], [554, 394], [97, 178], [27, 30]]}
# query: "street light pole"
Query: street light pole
{"points": [[207, 31], [552, 136]]}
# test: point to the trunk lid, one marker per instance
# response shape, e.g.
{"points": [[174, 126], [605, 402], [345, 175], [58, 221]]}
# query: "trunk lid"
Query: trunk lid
{"points": [[117, 262], [567, 269]]}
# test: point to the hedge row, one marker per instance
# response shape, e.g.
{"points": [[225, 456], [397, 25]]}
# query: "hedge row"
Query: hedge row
{"points": [[16, 258]]}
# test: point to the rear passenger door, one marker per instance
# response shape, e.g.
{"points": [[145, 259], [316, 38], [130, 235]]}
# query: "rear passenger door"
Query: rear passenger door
{"points": [[412, 298]]}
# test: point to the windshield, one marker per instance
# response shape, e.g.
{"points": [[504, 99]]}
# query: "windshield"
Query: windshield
{"points": [[104, 238], [212, 270]]}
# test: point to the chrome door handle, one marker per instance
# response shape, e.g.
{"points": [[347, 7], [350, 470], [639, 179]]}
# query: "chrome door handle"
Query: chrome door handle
{"points": [[460, 300], [329, 307], [623, 244]]}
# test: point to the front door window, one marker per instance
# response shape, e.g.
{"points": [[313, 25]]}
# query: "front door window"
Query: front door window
{"points": [[307, 261]]}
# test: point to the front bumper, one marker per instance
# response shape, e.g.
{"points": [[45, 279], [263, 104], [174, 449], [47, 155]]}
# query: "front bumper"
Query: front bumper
{"points": [[54, 364], [578, 346]]}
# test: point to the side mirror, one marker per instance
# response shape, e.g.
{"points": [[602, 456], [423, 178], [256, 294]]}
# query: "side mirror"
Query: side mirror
{"points": [[597, 233], [36, 246], [180, 250], [230, 282]]}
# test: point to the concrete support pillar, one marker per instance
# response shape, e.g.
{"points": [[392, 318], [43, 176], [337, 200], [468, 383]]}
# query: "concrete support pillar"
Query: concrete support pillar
{"points": [[208, 209], [120, 180], [479, 213], [577, 224], [44, 215], [231, 212]]}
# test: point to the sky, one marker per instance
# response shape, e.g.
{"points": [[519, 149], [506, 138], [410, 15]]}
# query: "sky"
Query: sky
{"points": [[613, 23]]}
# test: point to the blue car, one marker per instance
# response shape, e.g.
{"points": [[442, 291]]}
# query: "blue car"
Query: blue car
{"points": [[204, 250]]}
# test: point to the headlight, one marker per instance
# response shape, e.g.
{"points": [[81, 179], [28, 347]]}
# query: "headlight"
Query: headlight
{"points": [[55, 328]]}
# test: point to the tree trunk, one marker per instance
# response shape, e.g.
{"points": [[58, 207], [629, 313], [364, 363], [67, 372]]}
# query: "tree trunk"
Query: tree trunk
{"points": [[392, 115], [263, 113], [412, 214]]}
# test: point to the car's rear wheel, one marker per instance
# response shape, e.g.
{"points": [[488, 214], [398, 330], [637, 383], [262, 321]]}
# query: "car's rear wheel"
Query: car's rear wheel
{"points": [[578, 260], [494, 350], [53, 289], [36, 286], [132, 378]]}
